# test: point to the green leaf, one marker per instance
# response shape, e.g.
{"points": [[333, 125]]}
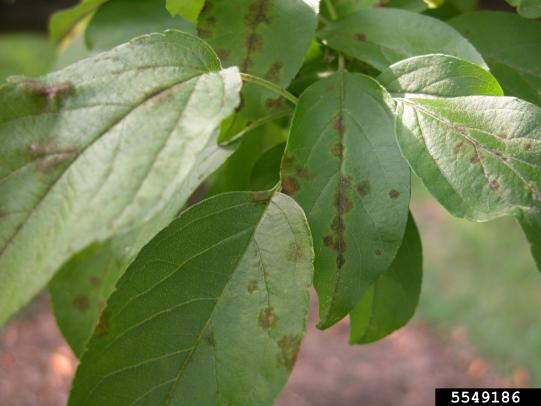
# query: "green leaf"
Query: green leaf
{"points": [[212, 311], [531, 224], [344, 168], [71, 282], [264, 38], [118, 21], [266, 170], [64, 21], [439, 75], [384, 36], [527, 8], [347, 7], [511, 46], [79, 292], [25, 54], [76, 143], [189, 9], [391, 301], [478, 155]]}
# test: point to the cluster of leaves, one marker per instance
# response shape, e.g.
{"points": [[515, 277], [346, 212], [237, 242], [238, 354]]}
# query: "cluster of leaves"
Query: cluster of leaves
{"points": [[306, 167]]}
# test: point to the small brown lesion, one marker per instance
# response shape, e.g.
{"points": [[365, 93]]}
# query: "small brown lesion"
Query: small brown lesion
{"points": [[338, 150], [253, 286], [359, 36], [47, 155], [377, 252], [494, 185], [81, 302], [363, 188], [51, 92], [289, 348], [394, 194], [527, 146], [104, 325], [94, 281], [339, 125], [290, 185], [273, 74], [267, 318], [295, 252], [211, 340]]}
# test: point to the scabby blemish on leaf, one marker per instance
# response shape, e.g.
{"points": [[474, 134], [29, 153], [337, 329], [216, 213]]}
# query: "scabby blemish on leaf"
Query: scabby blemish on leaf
{"points": [[267, 318], [289, 348]]}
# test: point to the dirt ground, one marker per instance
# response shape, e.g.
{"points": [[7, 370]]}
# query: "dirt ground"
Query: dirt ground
{"points": [[36, 366]]}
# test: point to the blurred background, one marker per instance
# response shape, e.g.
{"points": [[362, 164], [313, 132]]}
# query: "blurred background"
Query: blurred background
{"points": [[478, 323]]}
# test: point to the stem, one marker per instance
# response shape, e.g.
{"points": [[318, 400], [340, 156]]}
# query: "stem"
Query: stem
{"points": [[331, 9], [269, 86], [254, 125]]}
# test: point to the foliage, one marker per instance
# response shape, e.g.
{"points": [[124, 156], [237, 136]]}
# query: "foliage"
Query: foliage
{"points": [[254, 100]]}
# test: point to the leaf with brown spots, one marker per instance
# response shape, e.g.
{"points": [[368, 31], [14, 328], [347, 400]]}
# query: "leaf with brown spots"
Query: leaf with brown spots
{"points": [[488, 176], [210, 297], [383, 36], [391, 301], [266, 38], [76, 146], [356, 197]]}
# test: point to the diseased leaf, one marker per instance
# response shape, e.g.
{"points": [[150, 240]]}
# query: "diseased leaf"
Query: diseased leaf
{"points": [[72, 280], [511, 46], [439, 75], [79, 292], [527, 8], [25, 54], [118, 21], [189, 9], [62, 22], [76, 143], [265, 38], [212, 311], [391, 301], [344, 168], [480, 156], [384, 36], [531, 224]]}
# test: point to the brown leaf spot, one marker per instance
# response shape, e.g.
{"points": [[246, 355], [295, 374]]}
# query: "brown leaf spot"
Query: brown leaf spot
{"points": [[273, 74], [340, 261], [393, 194], [459, 147], [359, 36], [252, 286], [328, 241], [211, 340], [494, 185], [377, 252], [81, 302], [343, 204], [294, 252], [287, 161], [338, 124], [104, 325], [289, 348], [303, 173], [290, 185], [338, 150], [52, 92], [246, 64], [267, 318], [94, 281], [527, 147], [475, 158], [258, 13], [203, 32], [253, 42], [338, 225], [363, 188], [274, 103]]}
